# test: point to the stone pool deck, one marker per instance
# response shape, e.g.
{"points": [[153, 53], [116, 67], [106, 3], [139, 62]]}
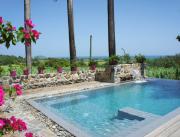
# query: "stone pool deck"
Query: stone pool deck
{"points": [[44, 127]]}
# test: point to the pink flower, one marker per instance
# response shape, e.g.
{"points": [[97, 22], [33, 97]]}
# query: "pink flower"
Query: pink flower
{"points": [[13, 119], [36, 34], [29, 23], [22, 125], [1, 97], [27, 36], [1, 87], [24, 30], [27, 43], [29, 134], [1, 123], [19, 92], [17, 87], [14, 28], [17, 124], [1, 20], [11, 28], [7, 121]]}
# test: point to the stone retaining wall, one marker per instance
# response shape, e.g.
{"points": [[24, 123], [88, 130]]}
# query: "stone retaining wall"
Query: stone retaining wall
{"points": [[49, 79], [120, 72], [113, 73]]}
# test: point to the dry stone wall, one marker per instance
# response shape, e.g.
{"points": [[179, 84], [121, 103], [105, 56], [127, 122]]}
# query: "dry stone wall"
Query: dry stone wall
{"points": [[49, 79], [121, 72]]}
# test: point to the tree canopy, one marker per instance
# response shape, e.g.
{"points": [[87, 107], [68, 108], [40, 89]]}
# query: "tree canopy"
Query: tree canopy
{"points": [[178, 38]]}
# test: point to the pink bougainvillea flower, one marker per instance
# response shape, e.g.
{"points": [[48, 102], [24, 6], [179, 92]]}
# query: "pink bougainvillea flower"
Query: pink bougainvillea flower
{"points": [[1, 20], [17, 87], [1, 97], [29, 134], [1, 123], [22, 125], [36, 34], [27, 36], [24, 30], [13, 119], [13, 28], [27, 43], [19, 92], [1, 87], [29, 23], [17, 124]]}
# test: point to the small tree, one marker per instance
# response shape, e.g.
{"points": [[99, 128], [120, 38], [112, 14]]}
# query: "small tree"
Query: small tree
{"points": [[140, 58], [114, 60]]}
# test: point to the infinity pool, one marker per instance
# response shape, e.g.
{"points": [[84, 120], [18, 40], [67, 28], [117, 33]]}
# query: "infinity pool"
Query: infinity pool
{"points": [[95, 111]]}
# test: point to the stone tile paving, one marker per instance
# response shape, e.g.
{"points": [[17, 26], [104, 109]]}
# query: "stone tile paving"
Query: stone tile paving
{"points": [[33, 124]]}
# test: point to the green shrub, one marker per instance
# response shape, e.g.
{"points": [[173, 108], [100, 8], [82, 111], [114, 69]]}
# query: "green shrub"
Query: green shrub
{"points": [[114, 60], [93, 62], [1, 70], [140, 58], [12, 67], [54, 62], [41, 66], [126, 58], [7, 60], [81, 63]]}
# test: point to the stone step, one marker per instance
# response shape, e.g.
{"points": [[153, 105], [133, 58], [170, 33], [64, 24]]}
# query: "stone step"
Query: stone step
{"points": [[142, 117]]}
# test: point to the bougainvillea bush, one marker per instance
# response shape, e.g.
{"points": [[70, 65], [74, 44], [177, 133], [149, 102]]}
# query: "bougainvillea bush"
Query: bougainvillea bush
{"points": [[10, 35], [28, 34], [7, 33], [12, 124]]}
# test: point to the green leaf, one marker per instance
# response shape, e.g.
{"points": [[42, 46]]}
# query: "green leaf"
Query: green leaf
{"points": [[33, 39], [1, 41], [7, 44], [14, 42], [22, 40], [20, 28]]}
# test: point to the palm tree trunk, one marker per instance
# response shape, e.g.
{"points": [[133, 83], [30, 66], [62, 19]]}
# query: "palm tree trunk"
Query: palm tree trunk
{"points": [[72, 47], [111, 28], [90, 50], [27, 14]]}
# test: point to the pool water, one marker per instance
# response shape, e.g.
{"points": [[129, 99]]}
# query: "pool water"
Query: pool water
{"points": [[95, 112]]}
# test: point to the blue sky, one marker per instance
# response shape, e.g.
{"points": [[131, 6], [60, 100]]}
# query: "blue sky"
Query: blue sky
{"points": [[142, 26]]}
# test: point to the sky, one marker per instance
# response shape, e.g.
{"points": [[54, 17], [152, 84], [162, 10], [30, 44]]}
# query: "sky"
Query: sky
{"points": [[148, 27]]}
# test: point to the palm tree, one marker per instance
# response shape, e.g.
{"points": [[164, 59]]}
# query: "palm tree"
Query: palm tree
{"points": [[28, 50], [72, 48], [111, 28]]}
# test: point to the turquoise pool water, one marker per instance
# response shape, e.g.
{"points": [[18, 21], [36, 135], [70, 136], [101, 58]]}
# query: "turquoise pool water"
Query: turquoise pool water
{"points": [[95, 111]]}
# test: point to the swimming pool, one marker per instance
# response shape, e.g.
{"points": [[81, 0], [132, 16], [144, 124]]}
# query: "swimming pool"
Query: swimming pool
{"points": [[95, 112]]}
